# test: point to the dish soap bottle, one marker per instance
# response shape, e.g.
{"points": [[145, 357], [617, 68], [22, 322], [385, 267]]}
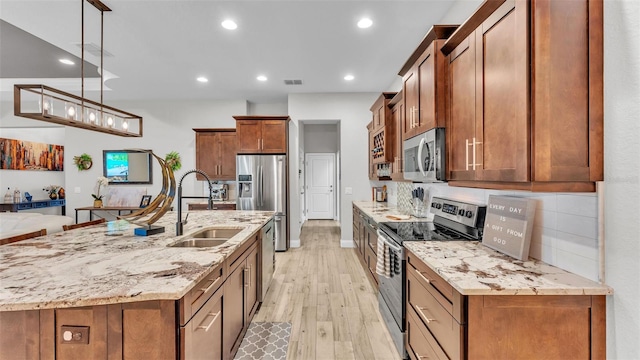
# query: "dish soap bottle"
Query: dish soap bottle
{"points": [[8, 196]]}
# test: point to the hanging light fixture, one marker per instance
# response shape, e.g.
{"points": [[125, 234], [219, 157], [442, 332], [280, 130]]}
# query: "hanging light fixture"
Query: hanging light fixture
{"points": [[41, 102]]}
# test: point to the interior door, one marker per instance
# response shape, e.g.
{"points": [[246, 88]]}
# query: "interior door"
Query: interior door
{"points": [[320, 180]]}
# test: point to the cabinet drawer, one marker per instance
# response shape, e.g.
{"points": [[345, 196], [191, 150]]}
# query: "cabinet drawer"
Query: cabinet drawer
{"points": [[203, 334], [200, 293], [434, 316], [420, 342], [432, 281]]}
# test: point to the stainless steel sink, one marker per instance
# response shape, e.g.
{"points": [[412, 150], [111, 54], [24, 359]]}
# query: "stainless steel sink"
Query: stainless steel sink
{"points": [[218, 233], [198, 243], [207, 237]]}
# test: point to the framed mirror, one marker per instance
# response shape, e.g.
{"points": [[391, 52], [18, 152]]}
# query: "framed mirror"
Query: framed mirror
{"points": [[127, 166]]}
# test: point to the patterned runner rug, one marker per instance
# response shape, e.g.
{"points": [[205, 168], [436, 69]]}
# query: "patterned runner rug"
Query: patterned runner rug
{"points": [[265, 341]]}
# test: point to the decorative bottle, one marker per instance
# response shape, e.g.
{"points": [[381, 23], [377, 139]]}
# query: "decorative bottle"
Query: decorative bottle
{"points": [[8, 196]]}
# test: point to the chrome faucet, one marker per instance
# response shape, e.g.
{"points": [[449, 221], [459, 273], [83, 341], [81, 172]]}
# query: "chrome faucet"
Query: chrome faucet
{"points": [[180, 224]]}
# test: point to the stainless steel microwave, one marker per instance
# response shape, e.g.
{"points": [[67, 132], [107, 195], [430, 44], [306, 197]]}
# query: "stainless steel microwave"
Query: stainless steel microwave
{"points": [[424, 156]]}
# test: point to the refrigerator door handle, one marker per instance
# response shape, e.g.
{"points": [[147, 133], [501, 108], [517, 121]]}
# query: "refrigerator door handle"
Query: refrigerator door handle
{"points": [[260, 185]]}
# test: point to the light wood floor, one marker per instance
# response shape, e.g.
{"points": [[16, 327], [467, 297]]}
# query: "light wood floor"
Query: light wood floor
{"points": [[322, 290]]}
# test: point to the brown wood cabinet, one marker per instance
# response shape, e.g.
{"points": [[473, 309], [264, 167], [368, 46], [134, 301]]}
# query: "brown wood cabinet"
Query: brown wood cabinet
{"points": [[216, 153], [365, 238], [525, 96], [241, 298], [424, 84], [262, 134], [443, 324], [397, 153], [216, 206], [382, 130]]}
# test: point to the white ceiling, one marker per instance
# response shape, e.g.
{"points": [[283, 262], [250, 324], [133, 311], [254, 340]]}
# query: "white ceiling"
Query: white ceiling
{"points": [[160, 47]]}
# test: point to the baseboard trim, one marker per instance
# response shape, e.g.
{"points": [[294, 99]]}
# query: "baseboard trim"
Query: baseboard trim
{"points": [[347, 243], [294, 243]]}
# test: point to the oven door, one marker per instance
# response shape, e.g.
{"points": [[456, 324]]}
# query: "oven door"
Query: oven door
{"points": [[392, 289]]}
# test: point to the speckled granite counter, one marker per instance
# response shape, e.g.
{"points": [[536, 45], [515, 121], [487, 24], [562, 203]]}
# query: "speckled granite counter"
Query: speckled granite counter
{"points": [[378, 211], [224, 202], [107, 264], [474, 269]]}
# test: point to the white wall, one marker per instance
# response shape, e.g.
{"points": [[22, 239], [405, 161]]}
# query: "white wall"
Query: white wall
{"points": [[266, 109], [321, 138], [622, 176], [352, 112]]}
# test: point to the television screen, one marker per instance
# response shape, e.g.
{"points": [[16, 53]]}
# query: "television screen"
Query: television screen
{"points": [[127, 166]]}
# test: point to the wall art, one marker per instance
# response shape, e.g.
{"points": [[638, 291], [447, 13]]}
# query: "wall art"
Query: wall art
{"points": [[29, 155]]}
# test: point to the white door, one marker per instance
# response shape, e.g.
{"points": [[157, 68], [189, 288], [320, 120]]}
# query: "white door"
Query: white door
{"points": [[320, 183]]}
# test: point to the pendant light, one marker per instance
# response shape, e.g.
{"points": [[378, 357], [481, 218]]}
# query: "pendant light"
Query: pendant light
{"points": [[41, 102]]}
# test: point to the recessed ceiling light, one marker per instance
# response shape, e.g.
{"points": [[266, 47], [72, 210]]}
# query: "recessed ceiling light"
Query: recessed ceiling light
{"points": [[202, 79], [349, 77], [261, 78], [229, 24], [67, 62], [365, 23]]}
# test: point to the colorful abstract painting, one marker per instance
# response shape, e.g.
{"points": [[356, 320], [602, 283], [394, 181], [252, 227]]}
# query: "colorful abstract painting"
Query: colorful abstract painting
{"points": [[28, 155]]}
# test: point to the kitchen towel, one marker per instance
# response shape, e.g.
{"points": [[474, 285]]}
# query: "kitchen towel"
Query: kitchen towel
{"points": [[383, 265]]}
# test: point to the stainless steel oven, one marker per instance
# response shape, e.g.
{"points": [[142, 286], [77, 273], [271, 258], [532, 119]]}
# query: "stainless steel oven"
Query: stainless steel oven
{"points": [[391, 299], [424, 156]]}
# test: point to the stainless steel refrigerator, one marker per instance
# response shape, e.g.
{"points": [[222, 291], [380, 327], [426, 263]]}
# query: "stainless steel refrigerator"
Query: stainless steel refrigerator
{"points": [[262, 185]]}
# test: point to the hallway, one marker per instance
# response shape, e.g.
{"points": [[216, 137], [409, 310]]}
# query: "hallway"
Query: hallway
{"points": [[322, 290]]}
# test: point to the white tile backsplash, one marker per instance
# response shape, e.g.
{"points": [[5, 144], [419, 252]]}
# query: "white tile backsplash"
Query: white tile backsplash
{"points": [[565, 225]]}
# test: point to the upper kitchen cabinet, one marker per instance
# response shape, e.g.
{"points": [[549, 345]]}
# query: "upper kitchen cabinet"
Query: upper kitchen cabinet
{"points": [[424, 84], [382, 129], [525, 101], [397, 115], [216, 153], [262, 134]]}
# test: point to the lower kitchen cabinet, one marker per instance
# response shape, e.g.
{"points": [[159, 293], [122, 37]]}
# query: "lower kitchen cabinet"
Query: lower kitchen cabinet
{"points": [[208, 322], [444, 324], [365, 237], [241, 298]]}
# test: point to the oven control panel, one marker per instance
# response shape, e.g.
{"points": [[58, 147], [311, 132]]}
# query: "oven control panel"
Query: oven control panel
{"points": [[465, 213]]}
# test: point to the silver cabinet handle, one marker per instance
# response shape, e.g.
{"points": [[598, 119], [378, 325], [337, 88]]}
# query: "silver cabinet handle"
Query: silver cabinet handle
{"points": [[424, 277], [422, 315], [208, 326], [466, 154], [247, 273], [474, 153]]}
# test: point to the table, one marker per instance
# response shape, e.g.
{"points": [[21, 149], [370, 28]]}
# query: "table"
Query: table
{"points": [[92, 209], [34, 204]]}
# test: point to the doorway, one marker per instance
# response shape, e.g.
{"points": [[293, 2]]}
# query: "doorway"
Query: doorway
{"points": [[320, 186]]}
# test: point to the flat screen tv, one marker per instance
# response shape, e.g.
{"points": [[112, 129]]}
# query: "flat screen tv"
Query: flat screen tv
{"points": [[127, 166]]}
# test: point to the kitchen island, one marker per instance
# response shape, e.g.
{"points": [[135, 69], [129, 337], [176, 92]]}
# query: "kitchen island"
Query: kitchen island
{"points": [[100, 290]]}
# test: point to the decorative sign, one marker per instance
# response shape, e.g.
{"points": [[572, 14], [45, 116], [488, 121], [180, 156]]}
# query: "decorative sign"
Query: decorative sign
{"points": [[508, 224], [28, 155]]}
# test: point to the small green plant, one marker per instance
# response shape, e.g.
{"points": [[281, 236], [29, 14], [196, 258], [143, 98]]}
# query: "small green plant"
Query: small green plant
{"points": [[83, 162], [173, 160]]}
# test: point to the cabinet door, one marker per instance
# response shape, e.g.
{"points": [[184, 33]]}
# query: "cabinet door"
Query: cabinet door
{"points": [[234, 310], [274, 136], [376, 119], [410, 88], [251, 284], [502, 91], [426, 115], [249, 135], [462, 95], [227, 151], [397, 115], [207, 153]]}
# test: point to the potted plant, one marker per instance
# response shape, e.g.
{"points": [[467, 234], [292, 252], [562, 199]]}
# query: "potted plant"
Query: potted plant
{"points": [[83, 162], [173, 160], [97, 198]]}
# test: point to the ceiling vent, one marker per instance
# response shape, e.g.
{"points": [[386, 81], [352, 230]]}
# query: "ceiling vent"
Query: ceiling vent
{"points": [[93, 49], [293, 82]]}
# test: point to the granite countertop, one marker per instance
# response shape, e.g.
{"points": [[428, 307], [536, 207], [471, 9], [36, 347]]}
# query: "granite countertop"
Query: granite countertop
{"points": [[474, 269], [107, 263], [378, 211], [214, 201]]}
